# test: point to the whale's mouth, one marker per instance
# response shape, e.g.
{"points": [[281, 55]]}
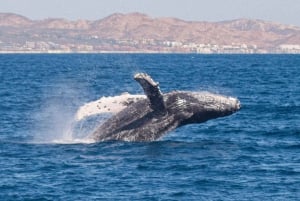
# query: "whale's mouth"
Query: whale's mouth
{"points": [[238, 105]]}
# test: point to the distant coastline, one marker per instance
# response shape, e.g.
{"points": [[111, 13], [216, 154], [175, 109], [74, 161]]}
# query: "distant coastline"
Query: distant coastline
{"points": [[139, 33], [130, 52]]}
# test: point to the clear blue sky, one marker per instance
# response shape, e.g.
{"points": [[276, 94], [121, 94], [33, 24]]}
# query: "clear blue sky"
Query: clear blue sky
{"points": [[283, 11]]}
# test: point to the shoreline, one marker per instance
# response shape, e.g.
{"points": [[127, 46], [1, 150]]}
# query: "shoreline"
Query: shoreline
{"points": [[138, 52]]}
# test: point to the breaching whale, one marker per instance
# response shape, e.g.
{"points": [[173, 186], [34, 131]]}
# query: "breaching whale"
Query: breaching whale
{"points": [[150, 118]]}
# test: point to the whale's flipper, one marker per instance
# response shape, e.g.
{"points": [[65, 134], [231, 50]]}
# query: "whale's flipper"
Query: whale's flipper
{"points": [[152, 91], [107, 105]]}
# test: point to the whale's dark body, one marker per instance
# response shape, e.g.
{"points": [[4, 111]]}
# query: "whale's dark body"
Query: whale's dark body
{"points": [[148, 119]]}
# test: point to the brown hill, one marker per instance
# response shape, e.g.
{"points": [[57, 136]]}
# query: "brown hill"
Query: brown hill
{"points": [[13, 20], [135, 27]]}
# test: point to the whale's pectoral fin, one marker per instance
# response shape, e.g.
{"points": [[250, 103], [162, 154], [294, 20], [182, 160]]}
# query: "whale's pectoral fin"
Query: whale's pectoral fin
{"points": [[152, 91]]}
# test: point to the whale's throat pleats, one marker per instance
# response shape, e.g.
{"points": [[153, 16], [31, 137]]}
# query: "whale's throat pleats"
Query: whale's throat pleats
{"points": [[152, 91]]}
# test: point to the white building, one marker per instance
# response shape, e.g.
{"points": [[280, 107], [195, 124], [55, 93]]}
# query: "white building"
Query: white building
{"points": [[288, 48]]}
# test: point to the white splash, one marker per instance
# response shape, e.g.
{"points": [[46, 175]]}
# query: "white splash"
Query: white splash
{"points": [[56, 121]]}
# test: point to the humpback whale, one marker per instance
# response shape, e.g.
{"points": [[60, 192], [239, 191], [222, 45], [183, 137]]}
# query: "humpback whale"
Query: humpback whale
{"points": [[150, 118]]}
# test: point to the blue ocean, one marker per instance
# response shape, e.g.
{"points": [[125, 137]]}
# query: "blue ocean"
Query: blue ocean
{"points": [[253, 154]]}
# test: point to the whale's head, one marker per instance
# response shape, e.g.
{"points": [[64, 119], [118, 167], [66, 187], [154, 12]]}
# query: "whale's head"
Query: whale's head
{"points": [[197, 107]]}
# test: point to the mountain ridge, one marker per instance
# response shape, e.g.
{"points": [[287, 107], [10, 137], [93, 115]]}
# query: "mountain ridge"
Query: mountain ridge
{"points": [[140, 32]]}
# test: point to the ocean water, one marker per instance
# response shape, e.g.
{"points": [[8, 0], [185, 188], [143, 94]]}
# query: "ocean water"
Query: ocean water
{"points": [[251, 155]]}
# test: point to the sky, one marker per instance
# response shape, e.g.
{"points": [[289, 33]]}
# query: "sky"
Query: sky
{"points": [[282, 11]]}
